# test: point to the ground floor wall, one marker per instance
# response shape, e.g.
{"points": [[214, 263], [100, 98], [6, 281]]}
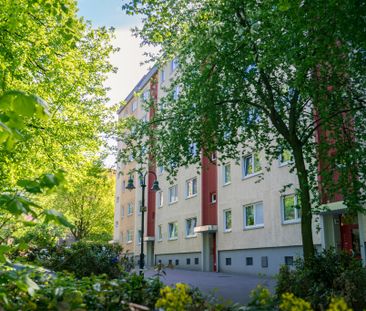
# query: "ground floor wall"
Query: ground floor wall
{"points": [[189, 261], [260, 260]]}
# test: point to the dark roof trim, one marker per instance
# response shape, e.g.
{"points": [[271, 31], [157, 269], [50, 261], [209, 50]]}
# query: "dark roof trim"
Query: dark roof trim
{"points": [[144, 80]]}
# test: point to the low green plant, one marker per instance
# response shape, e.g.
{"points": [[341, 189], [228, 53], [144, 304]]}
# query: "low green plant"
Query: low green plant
{"points": [[328, 274]]}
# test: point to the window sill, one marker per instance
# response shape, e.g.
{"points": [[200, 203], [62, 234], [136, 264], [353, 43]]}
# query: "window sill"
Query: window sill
{"points": [[191, 236], [251, 175], [227, 231], [160, 240], [285, 163], [291, 222], [160, 206], [129, 242], [226, 184], [128, 215], [253, 227], [172, 203], [191, 196], [172, 239]]}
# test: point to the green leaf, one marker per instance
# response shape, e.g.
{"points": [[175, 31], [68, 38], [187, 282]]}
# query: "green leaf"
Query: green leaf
{"points": [[57, 217], [3, 250]]}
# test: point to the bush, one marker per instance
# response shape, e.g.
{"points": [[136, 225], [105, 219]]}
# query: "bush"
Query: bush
{"points": [[327, 275], [81, 258], [65, 292]]}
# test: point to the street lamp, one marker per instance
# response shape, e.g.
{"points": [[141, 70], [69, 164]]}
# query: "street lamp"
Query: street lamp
{"points": [[155, 187]]}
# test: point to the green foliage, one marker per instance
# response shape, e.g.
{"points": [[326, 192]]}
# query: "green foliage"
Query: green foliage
{"points": [[327, 275], [88, 202], [81, 258], [261, 299], [65, 292]]}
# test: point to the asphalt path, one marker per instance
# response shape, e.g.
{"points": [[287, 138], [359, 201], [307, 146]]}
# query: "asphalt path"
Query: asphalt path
{"points": [[228, 287]]}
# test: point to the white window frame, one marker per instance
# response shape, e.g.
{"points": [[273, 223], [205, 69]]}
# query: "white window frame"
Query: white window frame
{"points": [[256, 223], [213, 197], [134, 105], [160, 199], [224, 219], [174, 64], [190, 186], [297, 218], [176, 92], [224, 167], [190, 234], [129, 209], [175, 194], [170, 225], [252, 163], [129, 236], [160, 169], [280, 158], [160, 232]]}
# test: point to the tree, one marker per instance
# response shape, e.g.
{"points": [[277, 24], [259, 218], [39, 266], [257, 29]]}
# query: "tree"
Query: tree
{"points": [[48, 52], [263, 75], [88, 202]]}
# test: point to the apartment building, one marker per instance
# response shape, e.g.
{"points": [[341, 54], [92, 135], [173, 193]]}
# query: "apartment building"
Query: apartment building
{"points": [[232, 217]]}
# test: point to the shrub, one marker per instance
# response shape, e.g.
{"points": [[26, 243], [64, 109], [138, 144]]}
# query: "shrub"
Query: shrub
{"points": [[65, 292], [327, 275]]}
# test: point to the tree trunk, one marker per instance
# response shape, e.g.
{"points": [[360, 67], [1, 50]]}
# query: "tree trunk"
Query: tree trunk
{"points": [[306, 213]]}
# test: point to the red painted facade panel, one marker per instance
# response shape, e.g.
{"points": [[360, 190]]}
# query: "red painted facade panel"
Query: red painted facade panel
{"points": [[151, 195], [209, 188]]}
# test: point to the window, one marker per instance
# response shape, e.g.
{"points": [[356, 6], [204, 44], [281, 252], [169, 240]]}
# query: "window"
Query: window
{"points": [[162, 75], [213, 197], [117, 199], [139, 236], [289, 260], [188, 261], [174, 64], [228, 261], [249, 261], [196, 261], [227, 174], [159, 199], [285, 157], [177, 262], [129, 209], [129, 236], [146, 95], [191, 223], [160, 169], [130, 157], [253, 215], [251, 165], [176, 92], [160, 233], [173, 194], [191, 187], [123, 186], [290, 208], [227, 220], [193, 149], [134, 106], [213, 157], [264, 261], [123, 211], [173, 230], [144, 118]]}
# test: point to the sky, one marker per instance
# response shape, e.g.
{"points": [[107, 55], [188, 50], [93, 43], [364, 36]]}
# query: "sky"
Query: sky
{"points": [[109, 13]]}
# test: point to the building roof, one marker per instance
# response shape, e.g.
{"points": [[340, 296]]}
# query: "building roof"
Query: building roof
{"points": [[144, 80]]}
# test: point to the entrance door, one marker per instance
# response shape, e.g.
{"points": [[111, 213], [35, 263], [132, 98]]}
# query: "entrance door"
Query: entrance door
{"points": [[350, 237], [212, 243]]}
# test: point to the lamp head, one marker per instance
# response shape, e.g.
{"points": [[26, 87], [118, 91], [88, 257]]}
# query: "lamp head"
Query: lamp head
{"points": [[155, 187], [130, 186]]}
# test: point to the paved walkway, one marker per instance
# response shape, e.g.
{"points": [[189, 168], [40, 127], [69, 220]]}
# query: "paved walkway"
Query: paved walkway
{"points": [[233, 287]]}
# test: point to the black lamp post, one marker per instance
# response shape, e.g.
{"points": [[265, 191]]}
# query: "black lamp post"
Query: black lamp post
{"points": [[155, 187]]}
